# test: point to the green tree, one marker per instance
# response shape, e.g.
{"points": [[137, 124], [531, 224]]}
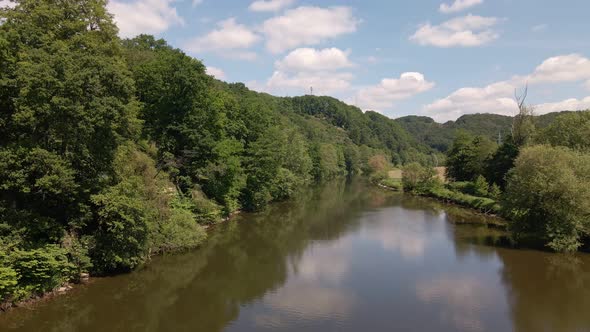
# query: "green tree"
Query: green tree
{"points": [[123, 227], [67, 97], [418, 178], [467, 157], [548, 196], [571, 130]]}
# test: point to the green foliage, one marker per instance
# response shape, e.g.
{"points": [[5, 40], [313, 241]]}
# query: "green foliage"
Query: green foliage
{"points": [[34, 271], [571, 130], [495, 192], [480, 186], [417, 178], [8, 282], [483, 204], [123, 227], [548, 196], [500, 162], [179, 232], [394, 184], [466, 159]]}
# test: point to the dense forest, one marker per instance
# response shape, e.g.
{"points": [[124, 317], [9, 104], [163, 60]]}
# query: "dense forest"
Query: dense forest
{"points": [[114, 150], [440, 136]]}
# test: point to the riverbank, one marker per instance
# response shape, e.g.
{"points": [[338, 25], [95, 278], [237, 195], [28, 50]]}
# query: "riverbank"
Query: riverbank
{"points": [[86, 278], [441, 193]]}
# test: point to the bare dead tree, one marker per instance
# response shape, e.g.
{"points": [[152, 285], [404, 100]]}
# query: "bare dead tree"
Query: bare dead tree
{"points": [[522, 123]]}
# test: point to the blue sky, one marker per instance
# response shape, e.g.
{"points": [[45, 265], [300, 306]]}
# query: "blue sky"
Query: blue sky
{"points": [[440, 58]]}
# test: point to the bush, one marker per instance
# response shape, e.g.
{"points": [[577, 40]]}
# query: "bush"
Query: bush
{"points": [[122, 235], [8, 282], [394, 184], [483, 204], [41, 270], [418, 178], [548, 196], [180, 231]]}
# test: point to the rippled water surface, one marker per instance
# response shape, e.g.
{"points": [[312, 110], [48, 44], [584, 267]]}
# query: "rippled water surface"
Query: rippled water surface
{"points": [[344, 257]]}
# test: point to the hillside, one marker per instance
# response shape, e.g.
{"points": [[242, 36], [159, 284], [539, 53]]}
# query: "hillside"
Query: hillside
{"points": [[440, 136]]}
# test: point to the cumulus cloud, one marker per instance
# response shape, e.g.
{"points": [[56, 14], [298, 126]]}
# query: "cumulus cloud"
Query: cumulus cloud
{"points": [[323, 83], [216, 72], [197, 2], [390, 90], [304, 68], [269, 5], [498, 97], [564, 68], [144, 16], [230, 37], [465, 31], [571, 104], [309, 59], [307, 26], [458, 5]]}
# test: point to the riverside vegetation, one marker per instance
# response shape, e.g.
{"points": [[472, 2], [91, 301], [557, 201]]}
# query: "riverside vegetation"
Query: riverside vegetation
{"points": [[115, 150]]}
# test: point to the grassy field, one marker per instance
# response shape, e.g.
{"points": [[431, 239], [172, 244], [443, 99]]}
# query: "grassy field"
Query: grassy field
{"points": [[440, 173], [397, 173]]}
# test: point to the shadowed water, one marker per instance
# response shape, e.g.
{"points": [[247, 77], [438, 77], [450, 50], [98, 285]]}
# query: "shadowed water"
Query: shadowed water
{"points": [[343, 257]]}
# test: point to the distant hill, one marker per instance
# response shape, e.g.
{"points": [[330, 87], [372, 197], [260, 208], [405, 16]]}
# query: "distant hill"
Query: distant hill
{"points": [[440, 136]]}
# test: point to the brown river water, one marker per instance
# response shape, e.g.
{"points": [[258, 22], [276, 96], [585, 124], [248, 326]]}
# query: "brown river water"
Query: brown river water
{"points": [[342, 257]]}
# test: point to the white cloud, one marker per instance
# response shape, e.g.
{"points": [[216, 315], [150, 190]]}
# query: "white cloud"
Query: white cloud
{"points": [[499, 97], [323, 83], [7, 4], [539, 28], [563, 68], [229, 39], [494, 98], [216, 72], [144, 16], [307, 26], [269, 5], [390, 90], [458, 5], [309, 59], [304, 68], [465, 31], [197, 2], [571, 104]]}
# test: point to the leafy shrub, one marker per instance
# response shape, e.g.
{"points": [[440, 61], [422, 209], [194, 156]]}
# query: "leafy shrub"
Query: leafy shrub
{"points": [[123, 217], [8, 282], [418, 178], [180, 231], [548, 196], [482, 204], [41, 270], [394, 184]]}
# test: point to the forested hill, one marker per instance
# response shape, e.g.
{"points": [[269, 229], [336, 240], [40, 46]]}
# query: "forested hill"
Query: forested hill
{"points": [[369, 129], [440, 136]]}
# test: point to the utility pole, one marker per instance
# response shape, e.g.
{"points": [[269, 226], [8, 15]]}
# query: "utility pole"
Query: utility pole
{"points": [[311, 90]]}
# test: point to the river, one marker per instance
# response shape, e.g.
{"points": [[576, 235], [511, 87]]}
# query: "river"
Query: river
{"points": [[342, 257]]}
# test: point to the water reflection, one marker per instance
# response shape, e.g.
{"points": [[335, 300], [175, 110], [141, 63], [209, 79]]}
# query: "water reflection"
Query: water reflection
{"points": [[345, 257]]}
